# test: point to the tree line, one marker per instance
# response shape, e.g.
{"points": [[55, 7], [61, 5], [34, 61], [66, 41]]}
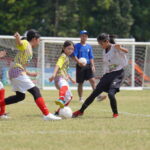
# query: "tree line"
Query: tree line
{"points": [[65, 18]]}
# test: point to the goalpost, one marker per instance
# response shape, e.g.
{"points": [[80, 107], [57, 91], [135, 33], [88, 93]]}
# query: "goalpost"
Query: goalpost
{"points": [[46, 55]]}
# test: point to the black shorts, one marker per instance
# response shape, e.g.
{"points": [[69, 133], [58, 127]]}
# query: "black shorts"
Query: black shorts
{"points": [[111, 80], [83, 73]]}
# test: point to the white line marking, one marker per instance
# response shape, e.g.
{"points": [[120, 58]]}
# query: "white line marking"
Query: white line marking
{"points": [[128, 113]]}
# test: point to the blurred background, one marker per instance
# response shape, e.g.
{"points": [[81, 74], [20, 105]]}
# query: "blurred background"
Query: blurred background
{"points": [[65, 18]]}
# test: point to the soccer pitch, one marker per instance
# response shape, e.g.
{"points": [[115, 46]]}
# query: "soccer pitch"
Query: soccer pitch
{"points": [[96, 130]]}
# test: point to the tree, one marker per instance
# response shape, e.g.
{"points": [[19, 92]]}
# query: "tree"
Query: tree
{"points": [[141, 14], [16, 15]]}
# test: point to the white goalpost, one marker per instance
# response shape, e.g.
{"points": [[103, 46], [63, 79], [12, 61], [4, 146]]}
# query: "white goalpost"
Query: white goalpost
{"points": [[45, 56]]}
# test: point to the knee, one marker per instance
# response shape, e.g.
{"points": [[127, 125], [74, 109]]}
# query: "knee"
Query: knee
{"points": [[20, 96], [111, 93]]}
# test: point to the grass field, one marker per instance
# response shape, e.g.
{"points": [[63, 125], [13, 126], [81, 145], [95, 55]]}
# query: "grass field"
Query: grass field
{"points": [[96, 130]]}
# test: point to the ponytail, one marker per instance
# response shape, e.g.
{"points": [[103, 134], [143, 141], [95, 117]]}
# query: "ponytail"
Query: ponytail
{"points": [[106, 37]]}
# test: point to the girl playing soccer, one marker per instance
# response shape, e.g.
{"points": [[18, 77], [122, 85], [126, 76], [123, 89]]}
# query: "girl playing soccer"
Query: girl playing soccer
{"points": [[19, 76], [60, 75], [114, 57]]}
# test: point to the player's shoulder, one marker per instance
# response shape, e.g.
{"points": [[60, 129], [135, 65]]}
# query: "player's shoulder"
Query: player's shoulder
{"points": [[88, 45], [24, 45], [63, 55], [77, 45]]}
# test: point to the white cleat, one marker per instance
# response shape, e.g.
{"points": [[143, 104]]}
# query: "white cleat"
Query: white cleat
{"points": [[51, 116], [4, 117]]}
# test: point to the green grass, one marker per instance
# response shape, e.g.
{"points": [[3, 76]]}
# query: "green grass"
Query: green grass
{"points": [[96, 130]]}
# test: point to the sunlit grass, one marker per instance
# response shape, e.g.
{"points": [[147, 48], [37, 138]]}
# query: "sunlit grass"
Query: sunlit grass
{"points": [[96, 130]]}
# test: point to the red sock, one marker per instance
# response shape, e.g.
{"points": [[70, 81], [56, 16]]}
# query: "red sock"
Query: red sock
{"points": [[62, 92], [41, 104], [2, 102]]}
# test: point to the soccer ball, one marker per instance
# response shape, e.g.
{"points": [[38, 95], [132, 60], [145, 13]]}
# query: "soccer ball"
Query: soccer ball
{"points": [[65, 112], [83, 61]]}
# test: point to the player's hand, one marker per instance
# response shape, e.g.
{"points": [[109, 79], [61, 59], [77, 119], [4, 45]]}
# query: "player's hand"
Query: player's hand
{"points": [[2, 53], [17, 35], [51, 78], [73, 81], [81, 64]]}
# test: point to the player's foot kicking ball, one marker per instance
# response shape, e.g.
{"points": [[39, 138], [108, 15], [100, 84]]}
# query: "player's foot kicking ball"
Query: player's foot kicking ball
{"points": [[77, 114]]}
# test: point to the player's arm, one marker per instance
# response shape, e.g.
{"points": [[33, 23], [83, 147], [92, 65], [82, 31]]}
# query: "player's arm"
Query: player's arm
{"points": [[31, 74], [58, 66], [54, 73], [18, 39], [92, 59], [72, 80], [92, 64], [75, 58], [77, 61], [119, 47]]}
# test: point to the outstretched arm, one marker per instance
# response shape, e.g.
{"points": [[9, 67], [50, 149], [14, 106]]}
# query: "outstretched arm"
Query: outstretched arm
{"points": [[54, 73], [119, 47], [72, 80]]}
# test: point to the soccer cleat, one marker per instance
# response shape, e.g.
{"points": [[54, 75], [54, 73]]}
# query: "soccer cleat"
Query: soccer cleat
{"points": [[51, 117], [115, 115], [101, 97], [60, 102], [77, 114], [4, 116]]}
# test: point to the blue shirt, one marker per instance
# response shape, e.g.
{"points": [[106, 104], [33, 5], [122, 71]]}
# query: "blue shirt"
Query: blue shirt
{"points": [[85, 51]]}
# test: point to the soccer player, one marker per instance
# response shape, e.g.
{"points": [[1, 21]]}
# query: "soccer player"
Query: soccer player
{"points": [[115, 60], [19, 76], [2, 93], [83, 73], [61, 76]]}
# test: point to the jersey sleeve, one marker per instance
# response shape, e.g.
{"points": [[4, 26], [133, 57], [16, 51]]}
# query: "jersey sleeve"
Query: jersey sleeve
{"points": [[23, 46], [76, 51], [61, 61]]}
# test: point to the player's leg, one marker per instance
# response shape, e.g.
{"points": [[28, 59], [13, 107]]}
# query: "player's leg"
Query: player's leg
{"points": [[2, 102], [80, 77], [113, 102], [68, 98], [64, 92], [116, 79], [92, 82], [41, 104], [80, 92], [89, 100], [91, 78], [15, 98]]}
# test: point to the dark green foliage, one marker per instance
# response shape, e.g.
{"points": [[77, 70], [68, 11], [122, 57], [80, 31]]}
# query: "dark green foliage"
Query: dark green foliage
{"points": [[125, 18]]}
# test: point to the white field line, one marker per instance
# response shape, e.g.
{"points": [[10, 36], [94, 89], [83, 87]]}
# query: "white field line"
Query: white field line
{"points": [[124, 113], [128, 113]]}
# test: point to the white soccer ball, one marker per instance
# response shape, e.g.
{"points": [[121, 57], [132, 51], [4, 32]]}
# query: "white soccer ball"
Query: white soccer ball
{"points": [[65, 112], [83, 61]]}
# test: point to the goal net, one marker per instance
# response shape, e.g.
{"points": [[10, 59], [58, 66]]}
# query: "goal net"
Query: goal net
{"points": [[46, 55]]}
